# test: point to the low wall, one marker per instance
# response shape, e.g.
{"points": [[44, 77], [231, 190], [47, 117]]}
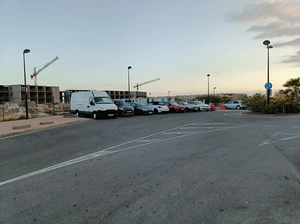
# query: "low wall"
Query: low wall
{"points": [[18, 110]]}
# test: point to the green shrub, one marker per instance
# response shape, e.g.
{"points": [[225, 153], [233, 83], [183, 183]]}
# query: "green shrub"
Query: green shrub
{"points": [[278, 105]]}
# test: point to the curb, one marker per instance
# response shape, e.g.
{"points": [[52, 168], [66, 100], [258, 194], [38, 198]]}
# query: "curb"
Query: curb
{"points": [[21, 126], [46, 122]]}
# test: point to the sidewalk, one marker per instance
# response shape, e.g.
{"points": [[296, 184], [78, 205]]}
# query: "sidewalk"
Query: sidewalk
{"points": [[8, 128]]}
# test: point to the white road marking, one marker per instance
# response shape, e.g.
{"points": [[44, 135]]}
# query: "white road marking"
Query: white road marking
{"points": [[148, 140], [109, 151], [270, 125], [293, 136], [179, 133], [57, 166], [202, 124]]}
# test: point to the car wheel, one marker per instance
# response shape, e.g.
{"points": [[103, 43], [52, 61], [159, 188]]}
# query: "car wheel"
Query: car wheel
{"points": [[186, 109], [155, 111], [95, 116], [77, 113], [238, 107]]}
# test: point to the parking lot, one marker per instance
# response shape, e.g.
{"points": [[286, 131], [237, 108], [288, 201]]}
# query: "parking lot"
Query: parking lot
{"points": [[206, 167]]}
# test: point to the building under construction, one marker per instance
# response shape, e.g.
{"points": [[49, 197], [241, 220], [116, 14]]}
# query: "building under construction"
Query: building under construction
{"points": [[39, 94], [52, 94]]}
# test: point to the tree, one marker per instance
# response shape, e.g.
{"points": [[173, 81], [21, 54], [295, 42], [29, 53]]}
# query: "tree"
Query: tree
{"points": [[293, 86]]}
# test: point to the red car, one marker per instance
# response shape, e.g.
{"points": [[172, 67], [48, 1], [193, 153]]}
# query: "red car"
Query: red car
{"points": [[175, 107]]}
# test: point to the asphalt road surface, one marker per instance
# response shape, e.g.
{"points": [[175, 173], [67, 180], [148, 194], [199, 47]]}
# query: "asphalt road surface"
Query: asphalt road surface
{"points": [[197, 167]]}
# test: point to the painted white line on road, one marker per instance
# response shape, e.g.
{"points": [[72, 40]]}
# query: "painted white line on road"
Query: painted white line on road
{"points": [[269, 141], [57, 166], [108, 151], [295, 126], [200, 127], [148, 140], [284, 139], [202, 124], [270, 125], [179, 133]]}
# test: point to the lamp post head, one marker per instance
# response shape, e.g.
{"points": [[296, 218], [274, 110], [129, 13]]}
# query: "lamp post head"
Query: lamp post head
{"points": [[208, 75], [215, 87], [266, 42], [26, 51], [269, 46], [129, 67]]}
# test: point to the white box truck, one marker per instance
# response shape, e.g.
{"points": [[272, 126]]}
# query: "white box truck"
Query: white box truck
{"points": [[93, 103]]}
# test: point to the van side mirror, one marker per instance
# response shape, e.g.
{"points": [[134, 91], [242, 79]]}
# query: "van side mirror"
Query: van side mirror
{"points": [[92, 103]]}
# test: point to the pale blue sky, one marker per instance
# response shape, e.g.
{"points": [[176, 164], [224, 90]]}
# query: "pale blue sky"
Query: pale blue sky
{"points": [[178, 41]]}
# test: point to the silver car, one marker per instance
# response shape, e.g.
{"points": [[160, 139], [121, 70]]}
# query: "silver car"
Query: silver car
{"points": [[188, 106], [201, 106], [234, 104]]}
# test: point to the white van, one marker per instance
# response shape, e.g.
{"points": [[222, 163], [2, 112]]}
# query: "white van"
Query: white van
{"points": [[93, 103]]}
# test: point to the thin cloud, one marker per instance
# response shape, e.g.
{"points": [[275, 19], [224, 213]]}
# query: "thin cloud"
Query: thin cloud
{"points": [[294, 59], [292, 43], [278, 19], [276, 29]]}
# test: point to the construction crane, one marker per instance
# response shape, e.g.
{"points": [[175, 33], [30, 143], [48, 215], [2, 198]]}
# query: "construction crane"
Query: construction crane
{"points": [[138, 85], [35, 73]]}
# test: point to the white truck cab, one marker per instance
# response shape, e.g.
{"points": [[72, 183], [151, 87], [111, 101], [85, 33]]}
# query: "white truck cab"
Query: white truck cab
{"points": [[93, 103]]}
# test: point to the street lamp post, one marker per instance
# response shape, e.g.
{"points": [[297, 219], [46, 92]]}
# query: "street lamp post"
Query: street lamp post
{"points": [[150, 95], [169, 93], [268, 84], [208, 87], [215, 90], [26, 91], [129, 67]]}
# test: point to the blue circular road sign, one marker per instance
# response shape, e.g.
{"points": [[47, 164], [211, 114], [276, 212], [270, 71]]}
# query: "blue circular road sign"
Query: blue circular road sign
{"points": [[268, 85]]}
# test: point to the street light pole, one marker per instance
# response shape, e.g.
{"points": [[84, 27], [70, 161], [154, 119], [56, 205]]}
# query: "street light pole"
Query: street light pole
{"points": [[169, 93], [26, 91], [267, 43], [129, 67], [208, 87], [215, 90]]}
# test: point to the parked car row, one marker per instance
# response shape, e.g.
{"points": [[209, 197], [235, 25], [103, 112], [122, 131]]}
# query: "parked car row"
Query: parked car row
{"points": [[139, 108], [98, 104]]}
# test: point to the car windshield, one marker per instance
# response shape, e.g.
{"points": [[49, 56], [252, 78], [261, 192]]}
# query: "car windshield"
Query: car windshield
{"points": [[121, 103], [140, 104], [103, 100], [174, 104]]}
